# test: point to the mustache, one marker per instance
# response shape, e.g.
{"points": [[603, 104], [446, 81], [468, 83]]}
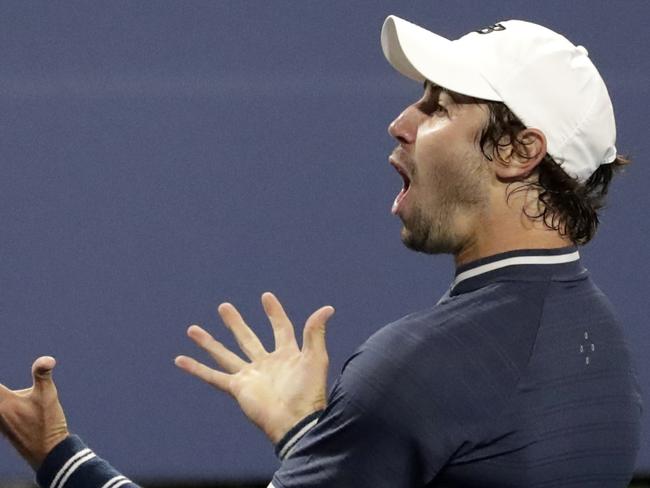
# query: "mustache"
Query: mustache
{"points": [[402, 158]]}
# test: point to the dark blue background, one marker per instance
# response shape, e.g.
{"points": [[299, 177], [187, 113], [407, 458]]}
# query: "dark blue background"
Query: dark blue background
{"points": [[159, 158]]}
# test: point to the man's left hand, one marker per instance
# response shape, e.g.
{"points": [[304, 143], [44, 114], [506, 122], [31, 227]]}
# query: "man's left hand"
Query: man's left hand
{"points": [[274, 389]]}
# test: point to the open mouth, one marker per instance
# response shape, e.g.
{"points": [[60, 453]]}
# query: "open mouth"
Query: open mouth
{"points": [[399, 199]]}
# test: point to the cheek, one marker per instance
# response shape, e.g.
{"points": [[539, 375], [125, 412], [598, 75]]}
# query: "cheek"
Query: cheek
{"points": [[439, 151], [449, 164], [434, 131], [430, 146]]}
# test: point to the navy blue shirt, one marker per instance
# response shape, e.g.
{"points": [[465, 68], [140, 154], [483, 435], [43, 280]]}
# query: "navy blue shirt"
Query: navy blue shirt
{"points": [[519, 376]]}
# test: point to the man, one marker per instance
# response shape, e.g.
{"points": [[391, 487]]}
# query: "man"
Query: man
{"points": [[519, 376]]}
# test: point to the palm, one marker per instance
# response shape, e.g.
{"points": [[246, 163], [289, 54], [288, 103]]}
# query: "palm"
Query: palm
{"points": [[277, 389]]}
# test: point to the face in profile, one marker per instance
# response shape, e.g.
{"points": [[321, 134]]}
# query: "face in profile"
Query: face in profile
{"points": [[446, 175]]}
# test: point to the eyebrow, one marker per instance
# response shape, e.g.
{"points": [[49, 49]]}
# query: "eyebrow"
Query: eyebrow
{"points": [[435, 89], [457, 98], [429, 83]]}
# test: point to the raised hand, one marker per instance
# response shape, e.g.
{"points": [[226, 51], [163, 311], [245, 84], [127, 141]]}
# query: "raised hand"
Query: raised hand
{"points": [[33, 419], [275, 390]]}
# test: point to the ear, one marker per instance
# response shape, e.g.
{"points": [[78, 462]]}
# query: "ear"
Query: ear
{"points": [[517, 159]]}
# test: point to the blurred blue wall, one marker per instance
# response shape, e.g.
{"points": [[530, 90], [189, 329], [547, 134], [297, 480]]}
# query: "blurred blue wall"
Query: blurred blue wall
{"points": [[161, 157]]}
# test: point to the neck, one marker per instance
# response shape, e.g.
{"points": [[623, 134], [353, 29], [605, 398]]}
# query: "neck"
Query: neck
{"points": [[503, 243], [502, 228]]}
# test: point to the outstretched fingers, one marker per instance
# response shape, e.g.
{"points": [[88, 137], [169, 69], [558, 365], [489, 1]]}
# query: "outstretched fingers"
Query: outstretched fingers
{"points": [[225, 358], [245, 337], [201, 371], [283, 332], [313, 338]]}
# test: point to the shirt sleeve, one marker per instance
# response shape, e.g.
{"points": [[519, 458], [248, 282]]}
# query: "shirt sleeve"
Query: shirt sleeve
{"points": [[71, 464], [373, 432], [347, 447]]}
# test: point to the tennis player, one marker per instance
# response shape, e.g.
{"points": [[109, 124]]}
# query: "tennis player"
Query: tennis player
{"points": [[519, 376]]}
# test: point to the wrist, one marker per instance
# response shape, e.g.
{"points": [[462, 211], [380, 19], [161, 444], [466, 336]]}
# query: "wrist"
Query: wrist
{"points": [[36, 460], [284, 446], [287, 416]]}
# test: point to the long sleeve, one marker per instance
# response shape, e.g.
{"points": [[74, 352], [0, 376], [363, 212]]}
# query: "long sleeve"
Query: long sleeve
{"points": [[71, 464]]}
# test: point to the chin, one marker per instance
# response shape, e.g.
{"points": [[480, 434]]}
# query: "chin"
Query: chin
{"points": [[428, 242]]}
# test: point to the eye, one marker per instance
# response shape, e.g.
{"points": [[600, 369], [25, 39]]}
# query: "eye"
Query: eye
{"points": [[440, 109], [430, 105]]}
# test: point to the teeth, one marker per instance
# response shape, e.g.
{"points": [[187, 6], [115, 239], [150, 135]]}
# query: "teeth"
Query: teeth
{"points": [[406, 183], [395, 203]]}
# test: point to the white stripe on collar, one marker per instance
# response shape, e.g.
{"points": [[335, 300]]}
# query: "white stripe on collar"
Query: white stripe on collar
{"points": [[518, 260]]}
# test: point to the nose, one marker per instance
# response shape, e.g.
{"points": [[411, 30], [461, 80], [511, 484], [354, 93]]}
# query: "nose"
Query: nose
{"points": [[405, 127]]}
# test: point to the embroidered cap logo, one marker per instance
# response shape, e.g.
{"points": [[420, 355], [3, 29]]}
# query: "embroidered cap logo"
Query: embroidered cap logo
{"points": [[491, 28]]}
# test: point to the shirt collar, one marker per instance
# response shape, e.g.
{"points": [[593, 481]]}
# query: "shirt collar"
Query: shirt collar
{"points": [[522, 263]]}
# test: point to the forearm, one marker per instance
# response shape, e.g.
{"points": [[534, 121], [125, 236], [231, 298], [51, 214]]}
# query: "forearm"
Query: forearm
{"points": [[71, 464]]}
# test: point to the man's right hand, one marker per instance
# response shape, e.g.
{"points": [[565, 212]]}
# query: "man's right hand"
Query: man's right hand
{"points": [[33, 419]]}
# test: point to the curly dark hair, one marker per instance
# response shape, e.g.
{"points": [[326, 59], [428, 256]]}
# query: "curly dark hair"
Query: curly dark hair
{"points": [[567, 205]]}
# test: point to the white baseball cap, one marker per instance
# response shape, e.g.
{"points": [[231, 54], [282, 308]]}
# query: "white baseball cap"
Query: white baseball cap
{"points": [[545, 80]]}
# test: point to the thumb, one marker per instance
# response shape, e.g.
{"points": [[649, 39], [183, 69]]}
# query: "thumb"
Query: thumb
{"points": [[42, 373], [313, 337]]}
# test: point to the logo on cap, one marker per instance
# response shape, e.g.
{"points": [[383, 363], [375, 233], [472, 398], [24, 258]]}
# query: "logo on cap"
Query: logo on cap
{"points": [[491, 28]]}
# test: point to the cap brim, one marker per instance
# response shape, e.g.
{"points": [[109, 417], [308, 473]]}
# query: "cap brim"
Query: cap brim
{"points": [[422, 55]]}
